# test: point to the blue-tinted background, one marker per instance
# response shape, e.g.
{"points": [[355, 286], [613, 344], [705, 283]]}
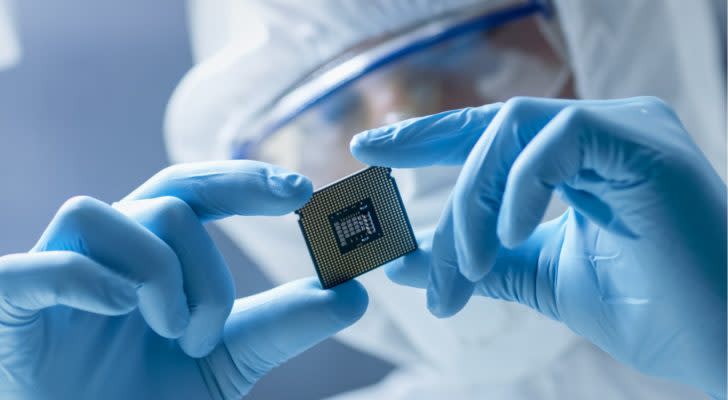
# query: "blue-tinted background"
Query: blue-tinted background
{"points": [[82, 114]]}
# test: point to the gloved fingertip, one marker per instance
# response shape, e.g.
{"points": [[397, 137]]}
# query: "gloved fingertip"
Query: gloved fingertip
{"points": [[350, 301], [371, 136], [396, 273], [357, 142], [358, 152], [448, 291], [375, 146], [289, 185], [359, 148], [472, 274], [475, 258], [507, 235], [177, 324], [437, 307], [125, 298], [412, 270], [202, 347], [509, 241]]}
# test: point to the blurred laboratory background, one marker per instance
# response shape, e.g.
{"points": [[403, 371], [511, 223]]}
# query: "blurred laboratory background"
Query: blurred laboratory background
{"points": [[82, 115]]}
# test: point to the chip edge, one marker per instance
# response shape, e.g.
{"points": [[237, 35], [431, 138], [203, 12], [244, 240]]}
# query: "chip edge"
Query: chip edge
{"points": [[328, 186]]}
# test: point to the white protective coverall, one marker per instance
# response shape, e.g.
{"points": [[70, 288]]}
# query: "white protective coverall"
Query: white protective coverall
{"points": [[248, 52]]}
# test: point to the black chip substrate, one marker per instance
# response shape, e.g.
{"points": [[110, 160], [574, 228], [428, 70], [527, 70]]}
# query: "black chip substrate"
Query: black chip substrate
{"points": [[355, 225]]}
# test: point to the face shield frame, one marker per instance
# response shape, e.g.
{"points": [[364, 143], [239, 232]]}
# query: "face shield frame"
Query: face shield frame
{"points": [[354, 64]]}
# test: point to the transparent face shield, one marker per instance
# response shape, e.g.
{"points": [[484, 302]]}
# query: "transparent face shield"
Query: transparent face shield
{"points": [[458, 60]]}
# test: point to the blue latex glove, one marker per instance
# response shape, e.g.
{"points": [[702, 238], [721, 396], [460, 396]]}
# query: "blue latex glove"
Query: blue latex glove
{"points": [[637, 265], [117, 302]]}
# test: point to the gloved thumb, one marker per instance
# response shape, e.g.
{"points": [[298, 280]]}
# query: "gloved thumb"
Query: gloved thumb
{"points": [[525, 274], [270, 328]]}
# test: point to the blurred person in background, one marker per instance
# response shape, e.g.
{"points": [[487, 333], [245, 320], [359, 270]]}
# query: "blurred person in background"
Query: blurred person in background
{"points": [[291, 84]]}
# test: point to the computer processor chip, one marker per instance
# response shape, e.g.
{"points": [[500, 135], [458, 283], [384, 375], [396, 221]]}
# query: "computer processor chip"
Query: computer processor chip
{"points": [[354, 225]]}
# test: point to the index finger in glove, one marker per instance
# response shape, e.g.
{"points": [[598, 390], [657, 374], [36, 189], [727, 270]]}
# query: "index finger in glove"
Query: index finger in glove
{"points": [[219, 189]]}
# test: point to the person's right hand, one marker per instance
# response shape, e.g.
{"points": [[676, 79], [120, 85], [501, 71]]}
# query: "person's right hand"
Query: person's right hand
{"points": [[637, 265], [133, 301]]}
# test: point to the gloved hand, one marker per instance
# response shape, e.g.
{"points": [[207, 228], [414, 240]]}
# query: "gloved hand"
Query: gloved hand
{"points": [[131, 301], [638, 263]]}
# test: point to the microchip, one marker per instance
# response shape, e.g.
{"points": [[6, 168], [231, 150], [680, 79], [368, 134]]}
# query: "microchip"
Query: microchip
{"points": [[354, 225]]}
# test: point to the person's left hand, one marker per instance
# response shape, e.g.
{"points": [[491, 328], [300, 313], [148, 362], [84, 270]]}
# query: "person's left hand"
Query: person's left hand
{"points": [[133, 301], [637, 265]]}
